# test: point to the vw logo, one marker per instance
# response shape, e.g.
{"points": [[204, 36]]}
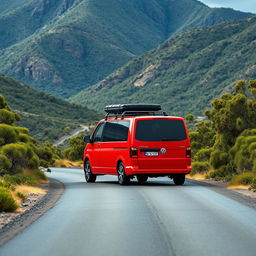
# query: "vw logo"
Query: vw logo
{"points": [[163, 151]]}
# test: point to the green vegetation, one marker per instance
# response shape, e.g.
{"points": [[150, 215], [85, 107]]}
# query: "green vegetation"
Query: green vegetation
{"points": [[245, 178], [47, 117], [62, 47], [21, 195], [20, 179], [75, 149], [20, 156], [184, 73], [226, 144], [7, 203], [10, 5]]}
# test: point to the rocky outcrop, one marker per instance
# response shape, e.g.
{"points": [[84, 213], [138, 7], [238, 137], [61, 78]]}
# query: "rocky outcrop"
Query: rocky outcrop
{"points": [[37, 69], [148, 75]]}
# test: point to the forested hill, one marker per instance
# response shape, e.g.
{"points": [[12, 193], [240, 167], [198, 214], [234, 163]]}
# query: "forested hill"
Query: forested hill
{"points": [[185, 72], [47, 117], [64, 46]]}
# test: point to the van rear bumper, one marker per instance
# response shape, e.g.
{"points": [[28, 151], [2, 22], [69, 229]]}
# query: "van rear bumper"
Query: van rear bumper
{"points": [[134, 170]]}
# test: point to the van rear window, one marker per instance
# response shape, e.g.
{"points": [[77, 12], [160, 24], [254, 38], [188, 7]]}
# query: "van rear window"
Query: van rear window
{"points": [[160, 130]]}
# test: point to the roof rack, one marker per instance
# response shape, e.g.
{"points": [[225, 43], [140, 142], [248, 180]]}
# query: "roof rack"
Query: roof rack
{"points": [[122, 110]]}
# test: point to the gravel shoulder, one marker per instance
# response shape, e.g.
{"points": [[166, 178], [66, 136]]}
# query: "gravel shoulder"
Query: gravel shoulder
{"points": [[243, 196], [39, 204]]}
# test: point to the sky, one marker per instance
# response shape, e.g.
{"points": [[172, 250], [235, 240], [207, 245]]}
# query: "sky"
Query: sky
{"points": [[242, 5]]}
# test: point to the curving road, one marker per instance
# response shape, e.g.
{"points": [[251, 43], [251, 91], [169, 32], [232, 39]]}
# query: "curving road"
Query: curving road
{"points": [[105, 219]]}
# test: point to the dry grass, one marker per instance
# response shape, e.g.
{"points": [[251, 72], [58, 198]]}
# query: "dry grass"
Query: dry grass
{"points": [[29, 190], [67, 164], [238, 187], [24, 189], [197, 176], [37, 174]]}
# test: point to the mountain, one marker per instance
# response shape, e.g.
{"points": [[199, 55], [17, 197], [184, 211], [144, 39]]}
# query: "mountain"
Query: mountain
{"points": [[184, 73], [64, 46], [47, 117], [10, 5]]}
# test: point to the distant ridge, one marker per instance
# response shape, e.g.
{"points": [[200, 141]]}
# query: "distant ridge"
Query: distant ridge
{"points": [[64, 46], [47, 117], [184, 73]]}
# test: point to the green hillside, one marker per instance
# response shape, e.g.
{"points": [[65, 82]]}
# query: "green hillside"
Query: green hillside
{"points": [[10, 5], [184, 73], [64, 46], [47, 117]]}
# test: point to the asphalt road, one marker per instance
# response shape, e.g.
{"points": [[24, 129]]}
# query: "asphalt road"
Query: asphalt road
{"points": [[158, 218]]}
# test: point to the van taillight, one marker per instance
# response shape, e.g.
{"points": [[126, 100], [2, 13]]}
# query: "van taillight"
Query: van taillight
{"points": [[188, 152], [133, 152]]}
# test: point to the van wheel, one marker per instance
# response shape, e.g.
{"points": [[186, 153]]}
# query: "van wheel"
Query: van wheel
{"points": [[179, 179], [123, 179], [142, 178], [89, 177]]}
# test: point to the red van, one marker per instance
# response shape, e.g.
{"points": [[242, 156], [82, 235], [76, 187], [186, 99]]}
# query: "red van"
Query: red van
{"points": [[136, 140]]}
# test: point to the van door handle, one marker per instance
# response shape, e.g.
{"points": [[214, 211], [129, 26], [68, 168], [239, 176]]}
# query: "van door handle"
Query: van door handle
{"points": [[98, 145]]}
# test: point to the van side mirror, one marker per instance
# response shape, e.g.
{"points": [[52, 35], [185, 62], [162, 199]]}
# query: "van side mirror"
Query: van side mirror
{"points": [[87, 139]]}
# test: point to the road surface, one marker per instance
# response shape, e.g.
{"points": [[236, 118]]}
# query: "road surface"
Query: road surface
{"points": [[105, 219]]}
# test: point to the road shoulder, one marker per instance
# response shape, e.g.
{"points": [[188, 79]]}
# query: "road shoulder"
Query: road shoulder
{"points": [[55, 189], [241, 195]]}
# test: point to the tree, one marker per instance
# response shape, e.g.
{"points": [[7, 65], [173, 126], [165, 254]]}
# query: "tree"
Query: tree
{"points": [[227, 141]]}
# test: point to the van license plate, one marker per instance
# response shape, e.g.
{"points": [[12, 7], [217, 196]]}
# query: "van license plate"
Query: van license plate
{"points": [[151, 153]]}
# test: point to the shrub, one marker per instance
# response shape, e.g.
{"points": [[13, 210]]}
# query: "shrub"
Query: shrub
{"points": [[21, 156], [7, 116], [4, 162], [244, 151], [76, 148], [21, 179], [245, 178], [22, 196], [7, 134], [218, 159], [40, 175], [203, 154], [7, 203], [199, 167], [253, 185]]}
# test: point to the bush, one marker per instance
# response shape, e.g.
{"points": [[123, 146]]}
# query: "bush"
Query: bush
{"points": [[7, 134], [21, 156], [4, 162], [7, 203], [253, 185], [21, 179], [22, 196], [203, 154], [76, 148], [244, 151], [218, 159], [199, 167], [245, 178], [40, 175]]}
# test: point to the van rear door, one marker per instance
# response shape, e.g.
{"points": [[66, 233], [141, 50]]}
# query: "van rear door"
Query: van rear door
{"points": [[161, 143]]}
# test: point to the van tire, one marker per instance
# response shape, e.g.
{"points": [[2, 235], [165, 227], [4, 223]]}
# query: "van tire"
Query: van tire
{"points": [[142, 178], [89, 177], [123, 179], [179, 179]]}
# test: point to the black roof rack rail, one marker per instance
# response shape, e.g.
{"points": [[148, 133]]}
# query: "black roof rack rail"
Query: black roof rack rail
{"points": [[122, 110]]}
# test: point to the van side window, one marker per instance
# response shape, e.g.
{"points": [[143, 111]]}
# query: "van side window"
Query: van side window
{"points": [[97, 136], [116, 131]]}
